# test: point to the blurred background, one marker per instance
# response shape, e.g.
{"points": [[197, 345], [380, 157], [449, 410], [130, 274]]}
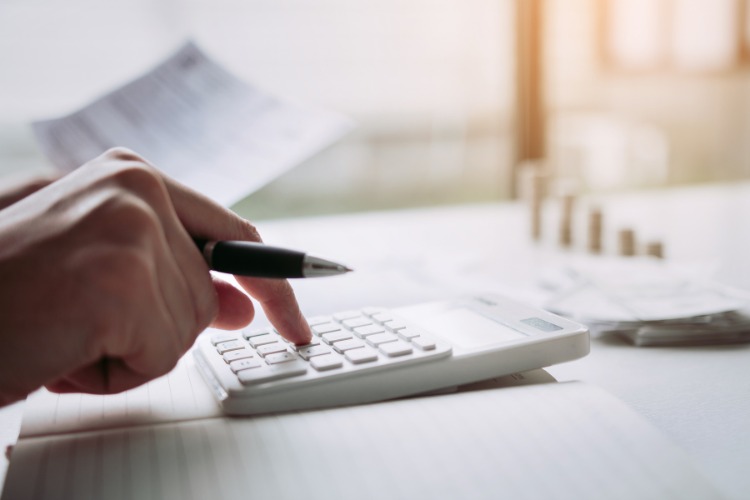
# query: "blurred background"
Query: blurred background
{"points": [[451, 97]]}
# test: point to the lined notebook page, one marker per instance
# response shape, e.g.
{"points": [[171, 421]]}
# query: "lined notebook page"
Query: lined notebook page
{"points": [[541, 441], [179, 395]]}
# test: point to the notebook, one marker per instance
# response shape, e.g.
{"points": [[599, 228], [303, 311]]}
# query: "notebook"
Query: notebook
{"points": [[545, 440]]}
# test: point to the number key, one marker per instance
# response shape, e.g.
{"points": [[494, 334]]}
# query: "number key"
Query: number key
{"points": [[393, 349], [267, 349], [238, 354], [244, 364], [229, 346]]}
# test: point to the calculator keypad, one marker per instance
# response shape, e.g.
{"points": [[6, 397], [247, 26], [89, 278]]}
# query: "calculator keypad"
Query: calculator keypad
{"points": [[345, 341]]}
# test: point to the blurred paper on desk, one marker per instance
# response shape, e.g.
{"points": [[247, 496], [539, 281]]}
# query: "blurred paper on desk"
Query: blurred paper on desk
{"points": [[199, 124], [648, 303]]}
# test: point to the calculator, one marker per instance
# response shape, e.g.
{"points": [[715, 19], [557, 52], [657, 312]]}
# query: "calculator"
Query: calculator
{"points": [[375, 354]]}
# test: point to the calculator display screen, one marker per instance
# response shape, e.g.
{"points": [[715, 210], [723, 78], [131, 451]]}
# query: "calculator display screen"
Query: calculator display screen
{"points": [[469, 329]]}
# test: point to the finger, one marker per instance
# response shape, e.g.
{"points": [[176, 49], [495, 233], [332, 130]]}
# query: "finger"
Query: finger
{"points": [[186, 213], [190, 271], [204, 218], [193, 271], [20, 186], [63, 387], [99, 378], [151, 341], [277, 299], [176, 293], [235, 308]]}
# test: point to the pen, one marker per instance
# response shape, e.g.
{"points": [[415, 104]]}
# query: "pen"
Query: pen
{"points": [[245, 258]]}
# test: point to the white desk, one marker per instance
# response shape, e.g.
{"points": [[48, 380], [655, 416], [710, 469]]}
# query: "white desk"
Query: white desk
{"points": [[700, 397]]}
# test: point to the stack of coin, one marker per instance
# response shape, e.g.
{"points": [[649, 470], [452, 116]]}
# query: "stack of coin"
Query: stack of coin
{"points": [[627, 242], [566, 222], [536, 200], [595, 230]]}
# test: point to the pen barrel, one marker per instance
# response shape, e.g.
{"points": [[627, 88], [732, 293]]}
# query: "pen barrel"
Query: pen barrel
{"points": [[245, 258]]}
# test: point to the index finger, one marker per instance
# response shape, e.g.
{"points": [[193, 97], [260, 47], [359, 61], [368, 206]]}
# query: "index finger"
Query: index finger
{"points": [[277, 299], [203, 218]]}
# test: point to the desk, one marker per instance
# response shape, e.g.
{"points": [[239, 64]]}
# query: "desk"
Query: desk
{"points": [[700, 397]]}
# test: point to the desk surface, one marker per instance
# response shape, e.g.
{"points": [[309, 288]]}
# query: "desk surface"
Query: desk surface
{"points": [[700, 397]]}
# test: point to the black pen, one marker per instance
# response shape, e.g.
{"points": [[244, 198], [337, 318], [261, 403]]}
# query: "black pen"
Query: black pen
{"points": [[245, 258]]}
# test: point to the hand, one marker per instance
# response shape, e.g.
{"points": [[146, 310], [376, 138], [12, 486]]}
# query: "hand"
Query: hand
{"points": [[102, 287], [20, 186]]}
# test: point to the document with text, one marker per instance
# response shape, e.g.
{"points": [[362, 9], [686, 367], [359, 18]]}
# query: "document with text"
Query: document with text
{"points": [[199, 124]]}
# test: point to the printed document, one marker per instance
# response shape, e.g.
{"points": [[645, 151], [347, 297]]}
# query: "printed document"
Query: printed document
{"points": [[199, 124]]}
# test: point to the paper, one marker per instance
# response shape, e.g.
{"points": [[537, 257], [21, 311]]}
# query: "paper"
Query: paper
{"points": [[543, 441], [197, 123], [180, 395], [647, 302], [634, 290]]}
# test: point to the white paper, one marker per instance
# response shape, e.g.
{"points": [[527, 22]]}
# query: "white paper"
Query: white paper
{"points": [[199, 124], [543, 441], [180, 395], [634, 290]]}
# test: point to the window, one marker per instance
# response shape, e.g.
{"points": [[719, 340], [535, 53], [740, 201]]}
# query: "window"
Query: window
{"points": [[430, 83], [648, 92]]}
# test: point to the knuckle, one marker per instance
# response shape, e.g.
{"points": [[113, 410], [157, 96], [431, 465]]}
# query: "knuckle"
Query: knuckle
{"points": [[139, 178], [123, 154], [126, 217], [247, 230]]}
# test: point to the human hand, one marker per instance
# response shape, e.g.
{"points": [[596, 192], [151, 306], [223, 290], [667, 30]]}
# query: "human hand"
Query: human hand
{"points": [[102, 287], [16, 187]]}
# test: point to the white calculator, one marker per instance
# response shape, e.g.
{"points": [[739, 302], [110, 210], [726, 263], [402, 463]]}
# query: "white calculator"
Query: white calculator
{"points": [[375, 354]]}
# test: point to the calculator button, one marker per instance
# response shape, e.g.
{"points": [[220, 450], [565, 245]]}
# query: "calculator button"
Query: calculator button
{"points": [[362, 355], [381, 338], [345, 345], [238, 354], [229, 346], [280, 357], [313, 342], [332, 337], [268, 338], [358, 321], [308, 352], [218, 338], [408, 333], [256, 333], [346, 315], [267, 349], [395, 324], [272, 372], [364, 331], [327, 362], [423, 343], [326, 328], [317, 320], [382, 317], [393, 349], [244, 364]]}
